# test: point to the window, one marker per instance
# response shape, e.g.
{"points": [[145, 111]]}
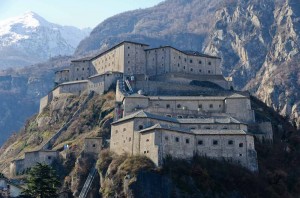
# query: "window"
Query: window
{"points": [[209, 71], [200, 106], [241, 145], [179, 106], [177, 139], [94, 145], [124, 129], [184, 59], [179, 57], [178, 65], [82, 78], [144, 152], [77, 69], [128, 47], [147, 140], [187, 141], [225, 128], [129, 139], [200, 70], [141, 127], [179, 116], [167, 106], [241, 155], [49, 157], [191, 61], [128, 61], [211, 106], [117, 131], [209, 63], [220, 106], [200, 62], [183, 67], [82, 69], [128, 54], [215, 142], [200, 142], [191, 69], [230, 142], [166, 138]]}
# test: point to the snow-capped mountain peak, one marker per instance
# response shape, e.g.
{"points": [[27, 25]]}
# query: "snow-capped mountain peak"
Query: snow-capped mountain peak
{"points": [[29, 38]]}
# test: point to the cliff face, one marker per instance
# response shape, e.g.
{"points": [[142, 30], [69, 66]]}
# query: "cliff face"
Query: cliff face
{"points": [[259, 44]]}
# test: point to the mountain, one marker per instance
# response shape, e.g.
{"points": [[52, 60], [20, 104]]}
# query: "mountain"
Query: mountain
{"points": [[21, 90], [29, 39], [258, 41]]}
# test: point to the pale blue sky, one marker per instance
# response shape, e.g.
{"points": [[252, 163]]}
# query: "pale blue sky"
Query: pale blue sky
{"points": [[79, 13]]}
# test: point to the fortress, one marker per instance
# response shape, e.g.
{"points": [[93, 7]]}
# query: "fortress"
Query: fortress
{"points": [[168, 103]]}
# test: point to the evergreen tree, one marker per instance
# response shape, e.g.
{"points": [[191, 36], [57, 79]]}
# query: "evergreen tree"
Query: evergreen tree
{"points": [[42, 182]]}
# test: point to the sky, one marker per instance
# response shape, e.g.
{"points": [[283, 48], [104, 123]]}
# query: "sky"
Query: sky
{"points": [[78, 13]]}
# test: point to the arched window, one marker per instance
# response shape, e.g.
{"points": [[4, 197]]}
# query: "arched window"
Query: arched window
{"points": [[179, 106]]}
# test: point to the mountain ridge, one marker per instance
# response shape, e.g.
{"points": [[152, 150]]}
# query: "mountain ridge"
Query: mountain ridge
{"points": [[29, 39]]}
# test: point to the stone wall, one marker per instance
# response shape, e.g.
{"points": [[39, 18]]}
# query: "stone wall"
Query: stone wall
{"points": [[92, 145], [191, 107], [31, 159], [80, 70], [62, 76], [45, 101]]}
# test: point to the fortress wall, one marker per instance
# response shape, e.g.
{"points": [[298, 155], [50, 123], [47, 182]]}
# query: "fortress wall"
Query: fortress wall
{"points": [[192, 64], [80, 70], [74, 88], [233, 107], [148, 146], [112, 60], [16, 167], [158, 61], [122, 138], [62, 76], [92, 145], [97, 84], [134, 59], [45, 101]]}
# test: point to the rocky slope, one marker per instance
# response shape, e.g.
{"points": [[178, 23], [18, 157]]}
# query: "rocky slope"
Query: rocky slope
{"points": [[30, 39], [257, 40]]}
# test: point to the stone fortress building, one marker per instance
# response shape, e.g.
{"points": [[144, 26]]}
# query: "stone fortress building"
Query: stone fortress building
{"points": [[168, 103]]}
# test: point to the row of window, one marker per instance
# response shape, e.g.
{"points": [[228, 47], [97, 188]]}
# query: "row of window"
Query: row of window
{"points": [[82, 69], [179, 106], [201, 142]]}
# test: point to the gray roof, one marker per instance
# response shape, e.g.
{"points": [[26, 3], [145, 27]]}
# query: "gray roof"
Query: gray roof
{"points": [[143, 114], [166, 127], [107, 72], [208, 120], [74, 82], [195, 132], [214, 119]]}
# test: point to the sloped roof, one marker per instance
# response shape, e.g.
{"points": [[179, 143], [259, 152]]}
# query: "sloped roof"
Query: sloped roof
{"points": [[143, 114], [195, 132]]}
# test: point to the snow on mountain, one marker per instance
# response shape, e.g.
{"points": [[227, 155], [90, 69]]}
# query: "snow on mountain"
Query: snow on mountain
{"points": [[29, 39]]}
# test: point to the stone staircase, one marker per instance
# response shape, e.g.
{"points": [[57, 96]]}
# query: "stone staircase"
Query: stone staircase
{"points": [[48, 145], [88, 182]]}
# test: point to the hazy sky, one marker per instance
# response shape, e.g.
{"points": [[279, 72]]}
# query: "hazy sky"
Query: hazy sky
{"points": [[79, 13]]}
